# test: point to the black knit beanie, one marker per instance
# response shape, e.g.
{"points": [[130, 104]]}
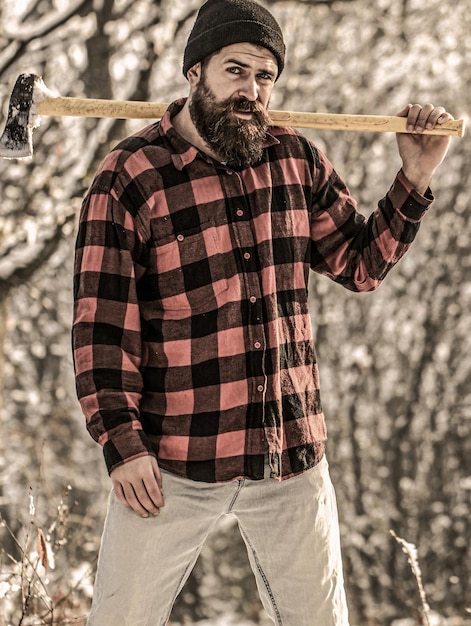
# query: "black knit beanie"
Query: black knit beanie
{"points": [[221, 23]]}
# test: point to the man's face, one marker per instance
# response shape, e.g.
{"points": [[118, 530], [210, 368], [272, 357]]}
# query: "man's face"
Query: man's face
{"points": [[229, 100]]}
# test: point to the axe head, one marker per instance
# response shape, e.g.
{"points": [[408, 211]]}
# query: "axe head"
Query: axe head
{"points": [[16, 141]]}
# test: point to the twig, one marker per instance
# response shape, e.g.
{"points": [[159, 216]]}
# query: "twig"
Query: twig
{"points": [[412, 557], [31, 581]]}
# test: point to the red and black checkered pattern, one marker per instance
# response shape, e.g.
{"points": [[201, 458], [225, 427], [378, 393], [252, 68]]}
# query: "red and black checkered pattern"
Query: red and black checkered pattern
{"points": [[192, 335]]}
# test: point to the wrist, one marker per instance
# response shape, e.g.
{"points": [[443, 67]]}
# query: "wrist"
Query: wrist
{"points": [[418, 180]]}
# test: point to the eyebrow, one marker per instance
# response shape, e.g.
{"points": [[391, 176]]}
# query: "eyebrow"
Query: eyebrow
{"points": [[237, 62], [245, 65]]}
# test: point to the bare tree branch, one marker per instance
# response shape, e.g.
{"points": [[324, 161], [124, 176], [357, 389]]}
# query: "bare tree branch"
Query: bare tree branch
{"points": [[23, 35]]}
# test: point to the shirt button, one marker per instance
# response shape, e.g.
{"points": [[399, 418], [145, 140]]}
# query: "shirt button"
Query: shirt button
{"points": [[239, 212], [257, 345], [180, 237], [253, 299], [247, 256], [260, 388]]}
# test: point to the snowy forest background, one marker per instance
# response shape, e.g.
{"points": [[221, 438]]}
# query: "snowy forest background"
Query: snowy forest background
{"points": [[395, 365]]}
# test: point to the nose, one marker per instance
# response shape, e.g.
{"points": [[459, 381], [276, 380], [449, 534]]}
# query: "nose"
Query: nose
{"points": [[249, 89]]}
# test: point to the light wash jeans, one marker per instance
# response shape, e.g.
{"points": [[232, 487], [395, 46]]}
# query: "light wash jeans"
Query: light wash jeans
{"points": [[290, 529]]}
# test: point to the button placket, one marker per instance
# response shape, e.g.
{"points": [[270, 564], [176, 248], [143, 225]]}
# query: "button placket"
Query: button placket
{"points": [[244, 234]]}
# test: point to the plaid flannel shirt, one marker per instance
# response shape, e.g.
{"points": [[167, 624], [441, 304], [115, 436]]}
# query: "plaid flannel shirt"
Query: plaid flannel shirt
{"points": [[192, 335]]}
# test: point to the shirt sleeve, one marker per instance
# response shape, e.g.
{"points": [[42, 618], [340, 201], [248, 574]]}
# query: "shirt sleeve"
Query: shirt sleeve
{"points": [[355, 251], [106, 336]]}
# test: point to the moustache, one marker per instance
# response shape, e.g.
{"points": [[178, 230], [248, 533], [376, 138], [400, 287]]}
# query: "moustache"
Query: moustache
{"points": [[260, 115], [246, 106]]}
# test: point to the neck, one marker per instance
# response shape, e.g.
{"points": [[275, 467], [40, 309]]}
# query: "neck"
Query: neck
{"points": [[184, 126]]}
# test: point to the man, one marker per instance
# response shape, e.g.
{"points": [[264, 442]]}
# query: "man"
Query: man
{"points": [[193, 350]]}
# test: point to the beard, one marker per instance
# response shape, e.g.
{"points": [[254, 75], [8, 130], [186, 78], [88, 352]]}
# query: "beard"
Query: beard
{"points": [[236, 141]]}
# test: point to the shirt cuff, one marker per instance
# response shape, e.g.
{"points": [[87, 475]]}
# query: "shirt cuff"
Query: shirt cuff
{"points": [[407, 200], [126, 447]]}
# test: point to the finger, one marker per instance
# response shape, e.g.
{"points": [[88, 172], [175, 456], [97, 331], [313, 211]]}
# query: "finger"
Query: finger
{"points": [[148, 490], [158, 476], [438, 116], [444, 117], [152, 483], [153, 498], [405, 111], [118, 489], [412, 112], [418, 116], [139, 501], [424, 117]]}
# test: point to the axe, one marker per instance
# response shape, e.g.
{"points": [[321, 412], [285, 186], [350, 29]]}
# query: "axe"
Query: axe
{"points": [[31, 98]]}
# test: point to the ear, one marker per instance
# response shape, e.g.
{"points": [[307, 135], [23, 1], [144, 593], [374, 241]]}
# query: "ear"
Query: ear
{"points": [[194, 74]]}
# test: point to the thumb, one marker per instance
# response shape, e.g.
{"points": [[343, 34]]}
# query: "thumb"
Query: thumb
{"points": [[157, 473]]}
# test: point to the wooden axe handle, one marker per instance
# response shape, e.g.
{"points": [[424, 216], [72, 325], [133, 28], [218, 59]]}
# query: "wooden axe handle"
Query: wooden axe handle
{"points": [[125, 109], [88, 107], [374, 123]]}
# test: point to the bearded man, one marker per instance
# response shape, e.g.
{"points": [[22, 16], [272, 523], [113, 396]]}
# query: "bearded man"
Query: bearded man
{"points": [[193, 349]]}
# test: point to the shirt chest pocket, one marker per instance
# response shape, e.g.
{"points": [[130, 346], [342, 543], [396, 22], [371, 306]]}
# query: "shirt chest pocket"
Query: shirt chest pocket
{"points": [[191, 269]]}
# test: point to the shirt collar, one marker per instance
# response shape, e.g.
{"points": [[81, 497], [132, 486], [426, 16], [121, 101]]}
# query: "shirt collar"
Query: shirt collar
{"points": [[183, 152]]}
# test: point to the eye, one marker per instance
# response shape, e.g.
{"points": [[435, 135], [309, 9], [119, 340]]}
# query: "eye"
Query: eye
{"points": [[234, 69], [268, 76]]}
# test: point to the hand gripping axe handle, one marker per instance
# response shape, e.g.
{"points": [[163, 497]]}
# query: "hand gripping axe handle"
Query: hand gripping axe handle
{"points": [[30, 99]]}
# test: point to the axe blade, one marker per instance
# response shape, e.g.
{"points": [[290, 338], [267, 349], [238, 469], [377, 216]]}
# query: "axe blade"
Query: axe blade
{"points": [[16, 141]]}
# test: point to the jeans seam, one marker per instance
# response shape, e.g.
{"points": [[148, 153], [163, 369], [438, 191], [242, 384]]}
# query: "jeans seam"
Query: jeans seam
{"points": [[189, 567], [265, 580], [235, 496]]}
